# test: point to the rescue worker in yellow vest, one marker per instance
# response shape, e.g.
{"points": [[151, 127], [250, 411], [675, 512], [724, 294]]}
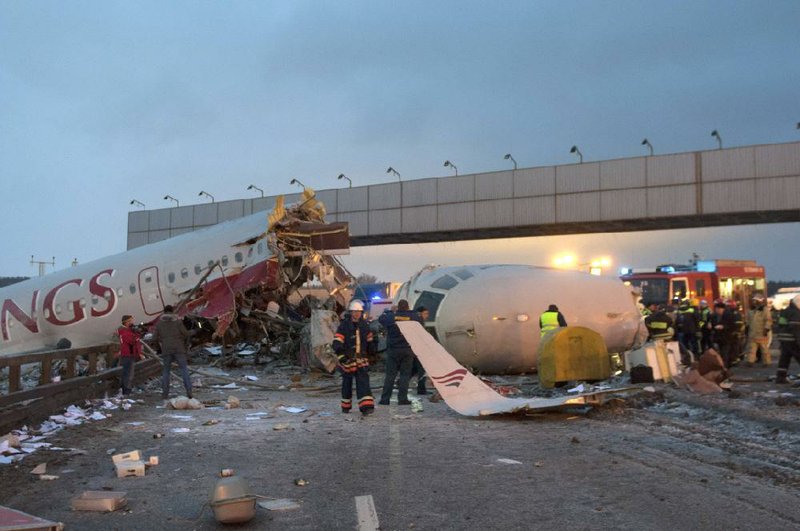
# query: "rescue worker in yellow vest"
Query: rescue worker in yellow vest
{"points": [[789, 337], [551, 319], [659, 324], [758, 327], [352, 343]]}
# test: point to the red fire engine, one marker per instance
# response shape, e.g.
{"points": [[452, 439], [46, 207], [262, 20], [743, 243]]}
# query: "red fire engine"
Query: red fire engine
{"points": [[706, 280]]}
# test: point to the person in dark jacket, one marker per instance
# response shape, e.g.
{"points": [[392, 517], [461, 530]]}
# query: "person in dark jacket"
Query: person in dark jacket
{"points": [[659, 324], [726, 330], [352, 343], [130, 351], [789, 337], [551, 319], [171, 336], [399, 356], [686, 327]]}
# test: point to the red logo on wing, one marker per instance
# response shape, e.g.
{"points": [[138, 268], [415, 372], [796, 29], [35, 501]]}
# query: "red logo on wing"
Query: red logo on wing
{"points": [[451, 379]]}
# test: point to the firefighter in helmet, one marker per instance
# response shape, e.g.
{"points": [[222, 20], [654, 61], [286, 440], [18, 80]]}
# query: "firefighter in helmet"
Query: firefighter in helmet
{"points": [[352, 344]]}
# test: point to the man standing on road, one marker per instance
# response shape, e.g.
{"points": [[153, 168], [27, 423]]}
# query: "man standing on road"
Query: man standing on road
{"points": [[130, 351], [399, 356], [758, 327], [723, 323], [172, 336], [351, 343], [551, 319], [789, 337]]}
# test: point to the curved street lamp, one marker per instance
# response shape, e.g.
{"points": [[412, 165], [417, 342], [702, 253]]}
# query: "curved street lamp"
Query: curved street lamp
{"points": [[254, 187], [509, 157], [137, 203], [394, 171], [343, 176], [577, 151], [450, 164], [647, 143], [169, 197], [207, 195], [715, 134], [296, 181]]}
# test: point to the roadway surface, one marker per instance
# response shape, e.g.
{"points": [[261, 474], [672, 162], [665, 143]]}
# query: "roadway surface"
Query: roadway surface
{"points": [[664, 460]]}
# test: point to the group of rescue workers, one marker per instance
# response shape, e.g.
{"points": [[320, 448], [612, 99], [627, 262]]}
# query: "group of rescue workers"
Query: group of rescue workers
{"points": [[723, 328], [697, 328]]}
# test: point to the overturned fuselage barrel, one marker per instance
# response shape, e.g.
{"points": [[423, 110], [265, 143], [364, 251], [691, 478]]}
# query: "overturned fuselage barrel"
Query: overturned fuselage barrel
{"points": [[487, 316]]}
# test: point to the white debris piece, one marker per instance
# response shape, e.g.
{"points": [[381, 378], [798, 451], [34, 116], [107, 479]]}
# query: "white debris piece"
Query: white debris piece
{"points": [[293, 409], [507, 461]]}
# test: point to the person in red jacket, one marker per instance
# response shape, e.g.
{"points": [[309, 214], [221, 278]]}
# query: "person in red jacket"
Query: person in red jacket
{"points": [[130, 351]]}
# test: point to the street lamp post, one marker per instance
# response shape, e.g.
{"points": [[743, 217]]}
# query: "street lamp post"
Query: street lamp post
{"points": [[254, 187], [343, 176], [509, 157], [170, 198], [715, 134], [577, 151], [394, 171], [448, 163], [202, 193], [137, 203], [296, 181], [647, 143]]}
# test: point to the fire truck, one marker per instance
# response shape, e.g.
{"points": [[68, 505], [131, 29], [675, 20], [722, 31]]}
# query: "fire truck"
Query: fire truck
{"points": [[707, 280]]}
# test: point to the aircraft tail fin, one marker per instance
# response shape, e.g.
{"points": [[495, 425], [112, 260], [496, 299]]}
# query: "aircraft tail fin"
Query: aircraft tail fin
{"points": [[463, 391]]}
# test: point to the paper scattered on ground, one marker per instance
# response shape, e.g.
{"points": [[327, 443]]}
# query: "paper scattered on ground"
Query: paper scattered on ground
{"points": [[509, 461], [180, 430], [251, 378], [577, 389], [284, 504]]}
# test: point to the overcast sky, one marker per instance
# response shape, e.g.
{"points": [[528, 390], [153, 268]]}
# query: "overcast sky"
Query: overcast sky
{"points": [[102, 102]]}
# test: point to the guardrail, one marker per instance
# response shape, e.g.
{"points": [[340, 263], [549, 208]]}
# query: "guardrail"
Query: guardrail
{"points": [[24, 406]]}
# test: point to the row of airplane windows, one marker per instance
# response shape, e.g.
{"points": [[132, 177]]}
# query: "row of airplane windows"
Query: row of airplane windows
{"points": [[171, 277]]}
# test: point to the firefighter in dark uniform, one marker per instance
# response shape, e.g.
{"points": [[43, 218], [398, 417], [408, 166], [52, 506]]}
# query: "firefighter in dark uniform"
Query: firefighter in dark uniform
{"points": [[352, 343], [399, 356], [703, 326], [659, 324], [551, 319], [740, 326], [789, 337], [686, 326], [723, 323]]}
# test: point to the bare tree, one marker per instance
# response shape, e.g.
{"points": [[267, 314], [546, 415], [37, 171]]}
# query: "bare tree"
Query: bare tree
{"points": [[366, 278]]}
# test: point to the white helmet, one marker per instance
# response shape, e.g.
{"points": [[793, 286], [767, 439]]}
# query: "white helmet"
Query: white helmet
{"points": [[356, 306]]}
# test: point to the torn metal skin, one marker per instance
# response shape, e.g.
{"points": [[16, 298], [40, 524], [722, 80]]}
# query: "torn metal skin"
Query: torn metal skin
{"points": [[302, 247]]}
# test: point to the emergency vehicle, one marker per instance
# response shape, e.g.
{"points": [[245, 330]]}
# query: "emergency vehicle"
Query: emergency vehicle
{"points": [[704, 280]]}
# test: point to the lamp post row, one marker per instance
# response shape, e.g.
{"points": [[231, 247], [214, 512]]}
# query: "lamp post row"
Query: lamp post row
{"points": [[447, 164]]}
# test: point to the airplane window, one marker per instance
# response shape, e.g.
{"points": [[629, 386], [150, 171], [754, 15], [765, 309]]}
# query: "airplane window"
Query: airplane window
{"points": [[197, 269], [463, 274], [224, 260], [250, 252], [184, 273], [120, 292], [444, 282], [260, 247], [171, 278], [58, 308], [95, 300], [46, 316], [83, 303], [107, 295], [147, 278], [238, 257], [133, 289], [431, 301], [210, 264]]}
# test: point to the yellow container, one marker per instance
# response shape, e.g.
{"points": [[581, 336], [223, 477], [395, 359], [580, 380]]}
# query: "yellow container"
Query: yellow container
{"points": [[573, 353]]}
